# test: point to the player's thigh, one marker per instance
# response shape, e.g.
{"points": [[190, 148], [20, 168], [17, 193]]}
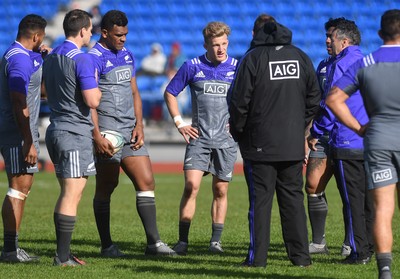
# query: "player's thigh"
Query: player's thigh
{"points": [[192, 181], [318, 173], [384, 201], [107, 176], [73, 186], [21, 182], [139, 171]]}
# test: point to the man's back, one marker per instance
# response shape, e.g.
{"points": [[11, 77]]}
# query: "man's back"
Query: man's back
{"points": [[68, 110], [20, 71], [280, 81]]}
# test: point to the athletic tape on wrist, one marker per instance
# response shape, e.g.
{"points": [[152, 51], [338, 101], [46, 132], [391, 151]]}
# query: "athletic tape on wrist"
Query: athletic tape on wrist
{"points": [[316, 195], [179, 123], [147, 194], [16, 194]]}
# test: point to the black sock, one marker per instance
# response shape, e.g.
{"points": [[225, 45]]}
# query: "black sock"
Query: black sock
{"points": [[64, 227], [184, 231], [102, 215], [317, 211], [216, 232], [384, 262], [10, 241], [146, 207]]}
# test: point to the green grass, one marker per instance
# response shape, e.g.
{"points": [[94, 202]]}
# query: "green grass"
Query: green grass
{"points": [[37, 236]]}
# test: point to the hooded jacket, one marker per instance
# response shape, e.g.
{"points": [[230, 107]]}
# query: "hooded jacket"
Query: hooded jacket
{"points": [[274, 96]]}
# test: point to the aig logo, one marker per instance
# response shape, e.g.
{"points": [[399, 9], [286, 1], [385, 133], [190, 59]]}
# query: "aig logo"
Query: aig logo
{"points": [[288, 69], [383, 175], [123, 75], [215, 88]]}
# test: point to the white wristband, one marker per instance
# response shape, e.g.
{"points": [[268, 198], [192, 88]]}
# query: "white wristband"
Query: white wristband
{"points": [[179, 123]]}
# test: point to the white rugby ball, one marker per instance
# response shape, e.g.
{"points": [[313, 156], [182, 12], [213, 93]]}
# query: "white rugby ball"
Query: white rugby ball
{"points": [[116, 139]]}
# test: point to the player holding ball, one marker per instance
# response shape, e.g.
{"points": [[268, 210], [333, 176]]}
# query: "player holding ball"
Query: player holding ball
{"points": [[120, 110]]}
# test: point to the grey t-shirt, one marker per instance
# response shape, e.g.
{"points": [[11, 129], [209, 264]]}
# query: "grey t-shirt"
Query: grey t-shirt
{"points": [[209, 86], [20, 71], [116, 69], [67, 71]]}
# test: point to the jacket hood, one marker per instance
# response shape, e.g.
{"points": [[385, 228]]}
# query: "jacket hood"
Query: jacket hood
{"points": [[273, 33]]}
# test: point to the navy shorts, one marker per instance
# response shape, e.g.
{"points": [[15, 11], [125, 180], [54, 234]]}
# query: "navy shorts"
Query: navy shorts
{"points": [[14, 160]]}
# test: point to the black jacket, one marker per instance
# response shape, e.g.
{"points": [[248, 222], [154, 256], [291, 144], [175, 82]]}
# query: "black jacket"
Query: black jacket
{"points": [[274, 96]]}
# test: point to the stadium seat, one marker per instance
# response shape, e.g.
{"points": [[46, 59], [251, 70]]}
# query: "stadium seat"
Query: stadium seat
{"points": [[165, 21]]}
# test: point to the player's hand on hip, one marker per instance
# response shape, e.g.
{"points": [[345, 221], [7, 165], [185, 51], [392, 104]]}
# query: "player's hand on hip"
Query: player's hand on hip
{"points": [[30, 154], [363, 130], [137, 144], [312, 142], [137, 140], [188, 132]]}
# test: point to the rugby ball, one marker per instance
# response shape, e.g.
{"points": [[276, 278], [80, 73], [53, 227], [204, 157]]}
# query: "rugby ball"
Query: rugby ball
{"points": [[116, 139]]}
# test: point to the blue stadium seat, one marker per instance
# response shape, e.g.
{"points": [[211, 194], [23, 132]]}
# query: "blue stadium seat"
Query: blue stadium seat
{"points": [[166, 21], [144, 83]]}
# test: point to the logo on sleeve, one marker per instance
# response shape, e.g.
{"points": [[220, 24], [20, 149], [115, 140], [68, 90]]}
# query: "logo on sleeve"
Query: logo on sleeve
{"points": [[200, 75], [382, 175], [288, 69], [123, 75], [109, 64], [219, 89]]}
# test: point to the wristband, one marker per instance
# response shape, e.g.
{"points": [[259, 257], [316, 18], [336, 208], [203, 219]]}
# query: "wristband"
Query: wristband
{"points": [[179, 123]]}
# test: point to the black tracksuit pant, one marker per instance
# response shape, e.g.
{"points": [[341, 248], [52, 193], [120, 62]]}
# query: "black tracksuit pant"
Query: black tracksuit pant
{"points": [[286, 178], [357, 206]]}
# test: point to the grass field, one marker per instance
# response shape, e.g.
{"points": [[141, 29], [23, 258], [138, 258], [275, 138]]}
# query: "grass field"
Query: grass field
{"points": [[37, 236]]}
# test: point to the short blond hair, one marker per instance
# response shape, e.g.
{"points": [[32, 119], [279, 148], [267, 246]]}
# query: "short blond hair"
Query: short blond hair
{"points": [[215, 29]]}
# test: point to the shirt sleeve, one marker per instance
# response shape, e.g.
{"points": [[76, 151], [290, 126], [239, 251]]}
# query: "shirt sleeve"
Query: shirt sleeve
{"points": [[86, 72], [19, 71], [134, 61], [180, 80], [97, 65], [323, 123]]}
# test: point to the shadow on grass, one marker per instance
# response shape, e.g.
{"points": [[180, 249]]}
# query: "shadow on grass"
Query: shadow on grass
{"points": [[199, 261], [80, 247]]}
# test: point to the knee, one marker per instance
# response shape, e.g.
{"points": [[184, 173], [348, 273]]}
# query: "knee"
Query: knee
{"points": [[220, 192], [104, 190], [190, 190], [13, 193], [310, 189], [144, 184]]}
